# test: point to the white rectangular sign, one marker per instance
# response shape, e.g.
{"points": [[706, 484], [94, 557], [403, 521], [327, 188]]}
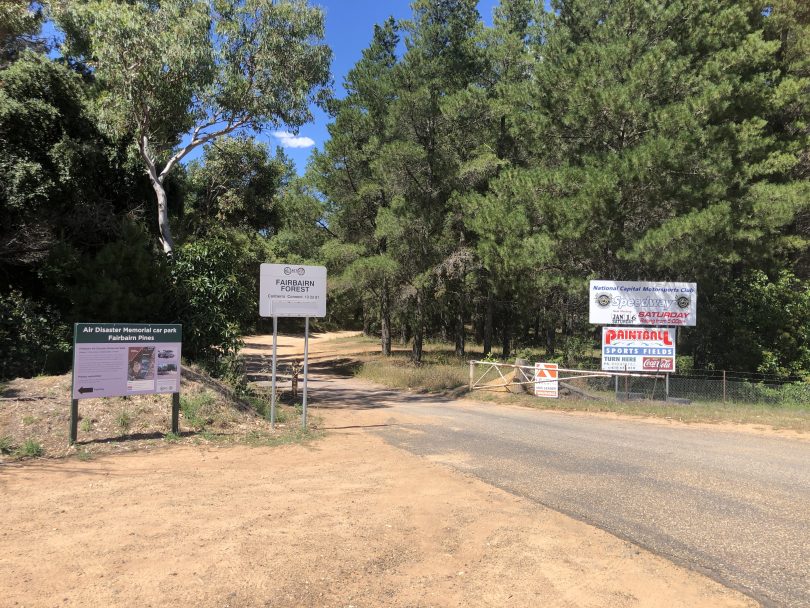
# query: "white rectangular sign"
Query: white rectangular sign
{"points": [[638, 349], [292, 290], [546, 383], [637, 303]]}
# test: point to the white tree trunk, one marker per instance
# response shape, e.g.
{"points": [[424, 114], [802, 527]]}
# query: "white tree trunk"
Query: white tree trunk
{"points": [[165, 237]]}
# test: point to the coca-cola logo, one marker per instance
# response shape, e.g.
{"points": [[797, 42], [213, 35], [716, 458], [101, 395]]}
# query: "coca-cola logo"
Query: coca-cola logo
{"points": [[657, 363]]}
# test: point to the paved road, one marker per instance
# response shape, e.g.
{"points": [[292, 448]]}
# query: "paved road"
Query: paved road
{"points": [[733, 506]]}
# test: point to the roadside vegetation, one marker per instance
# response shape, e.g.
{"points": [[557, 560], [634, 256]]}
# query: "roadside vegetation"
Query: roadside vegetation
{"points": [[477, 175], [441, 372], [211, 413]]}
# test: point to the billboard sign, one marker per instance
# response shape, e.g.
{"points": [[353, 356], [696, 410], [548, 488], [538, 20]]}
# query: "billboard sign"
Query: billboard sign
{"points": [[638, 349], [292, 290], [546, 380], [117, 359], [638, 303]]}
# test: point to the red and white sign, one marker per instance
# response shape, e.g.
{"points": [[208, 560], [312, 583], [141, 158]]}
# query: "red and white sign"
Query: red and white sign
{"points": [[657, 364], [638, 349], [546, 380]]}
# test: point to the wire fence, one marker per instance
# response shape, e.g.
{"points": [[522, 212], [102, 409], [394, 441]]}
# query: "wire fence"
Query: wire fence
{"points": [[716, 386]]}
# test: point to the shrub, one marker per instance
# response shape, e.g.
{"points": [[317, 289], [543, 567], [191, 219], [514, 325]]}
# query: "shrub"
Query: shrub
{"points": [[31, 448], [6, 444], [197, 409], [33, 337], [124, 281], [124, 421], [216, 295]]}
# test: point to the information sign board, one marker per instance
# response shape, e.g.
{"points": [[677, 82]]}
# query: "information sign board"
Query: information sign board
{"points": [[546, 383], [637, 303], [292, 290], [638, 349], [115, 359]]}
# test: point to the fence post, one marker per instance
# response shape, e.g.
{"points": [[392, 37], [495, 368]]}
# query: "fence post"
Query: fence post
{"points": [[472, 374], [724, 386], [666, 386]]}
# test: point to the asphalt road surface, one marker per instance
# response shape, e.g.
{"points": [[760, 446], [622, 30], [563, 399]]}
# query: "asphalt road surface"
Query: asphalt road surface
{"points": [[733, 506]]}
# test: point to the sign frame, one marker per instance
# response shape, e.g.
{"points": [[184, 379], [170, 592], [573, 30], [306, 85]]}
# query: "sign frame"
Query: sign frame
{"points": [[639, 349], [650, 304], [292, 290], [125, 359]]}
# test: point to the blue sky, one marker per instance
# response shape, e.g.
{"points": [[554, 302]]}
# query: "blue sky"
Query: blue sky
{"points": [[349, 26]]}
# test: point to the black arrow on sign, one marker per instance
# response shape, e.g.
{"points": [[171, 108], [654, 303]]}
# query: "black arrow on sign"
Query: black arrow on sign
{"points": [[85, 390]]}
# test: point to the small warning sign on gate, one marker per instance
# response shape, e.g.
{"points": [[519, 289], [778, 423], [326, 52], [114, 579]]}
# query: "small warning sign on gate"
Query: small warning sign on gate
{"points": [[546, 382]]}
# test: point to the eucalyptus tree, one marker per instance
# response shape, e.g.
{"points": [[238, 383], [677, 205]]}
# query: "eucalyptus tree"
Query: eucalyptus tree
{"points": [[20, 23], [177, 74]]}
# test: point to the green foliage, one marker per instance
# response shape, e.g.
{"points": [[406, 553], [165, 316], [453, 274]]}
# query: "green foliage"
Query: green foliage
{"points": [[20, 23], [31, 448], [215, 291], [33, 338], [123, 421], [474, 180], [576, 352], [486, 174], [86, 425], [237, 183], [197, 409], [770, 328], [209, 68], [6, 444], [61, 180], [124, 279]]}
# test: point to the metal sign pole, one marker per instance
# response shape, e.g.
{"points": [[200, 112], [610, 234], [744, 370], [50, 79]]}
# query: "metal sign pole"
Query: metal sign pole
{"points": [[306, 373], [273, 381], [176, 413]]}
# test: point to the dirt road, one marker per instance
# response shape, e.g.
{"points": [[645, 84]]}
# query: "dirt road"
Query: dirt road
{"points": [[345, 521]]}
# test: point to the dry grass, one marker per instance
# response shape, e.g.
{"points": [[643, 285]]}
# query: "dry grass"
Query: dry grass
{"points": [[37, 410], [396, 373], [441, 371], [773, 417]]}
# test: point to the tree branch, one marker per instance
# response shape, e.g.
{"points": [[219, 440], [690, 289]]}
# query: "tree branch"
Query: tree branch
{"points": [[197, 140], [325, 227]]}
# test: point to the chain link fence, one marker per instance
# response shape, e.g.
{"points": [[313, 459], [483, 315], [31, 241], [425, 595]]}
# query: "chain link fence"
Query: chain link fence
{"points": [[701, 386]]}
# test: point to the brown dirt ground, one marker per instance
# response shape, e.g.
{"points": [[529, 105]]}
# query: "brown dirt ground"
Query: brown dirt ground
{"points": [[346, 520]]}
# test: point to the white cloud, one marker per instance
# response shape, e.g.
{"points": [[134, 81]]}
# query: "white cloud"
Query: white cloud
{"points": [[288, 140]]}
